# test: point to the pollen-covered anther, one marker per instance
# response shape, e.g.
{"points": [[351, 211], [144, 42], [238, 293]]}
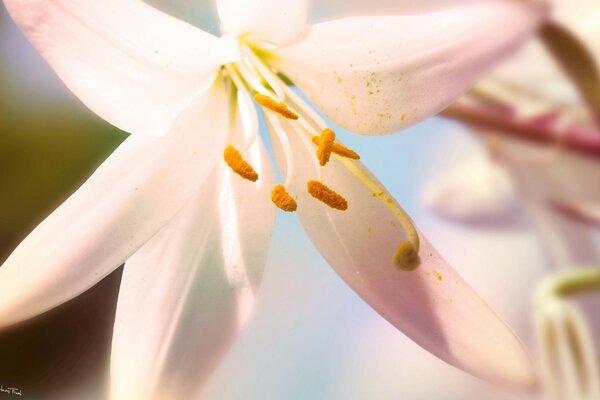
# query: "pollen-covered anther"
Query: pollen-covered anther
{"points": [[282, 199], [406, 257], [278, 107], [328, 196], [325, 146], [339, 149], [234, 159]]}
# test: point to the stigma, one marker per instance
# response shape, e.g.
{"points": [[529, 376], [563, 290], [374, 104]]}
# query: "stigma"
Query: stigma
{"points": [[406, 257]]}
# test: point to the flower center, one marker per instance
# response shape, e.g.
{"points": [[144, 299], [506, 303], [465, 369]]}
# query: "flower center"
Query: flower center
{"points": [[251, 76]]}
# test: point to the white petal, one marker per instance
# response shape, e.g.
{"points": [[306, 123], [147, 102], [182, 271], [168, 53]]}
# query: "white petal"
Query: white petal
{"points": [[375, 75], [476, 190], [137, 190], [545, 178], [185, 294], [131, 64], [274, 21], [567, 352], [432, 305]]}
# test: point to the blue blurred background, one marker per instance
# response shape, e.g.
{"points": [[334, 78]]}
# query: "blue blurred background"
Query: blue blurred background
{"points": [[310, 337]]}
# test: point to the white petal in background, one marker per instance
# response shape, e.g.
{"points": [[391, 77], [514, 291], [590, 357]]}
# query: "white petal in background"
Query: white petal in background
{"points": [[140, 187], [536, 73], [544, 176], [478, 190], [375, 75], [567, 351], [131, 64], [432, 305], [275, 21], [186, 293]]}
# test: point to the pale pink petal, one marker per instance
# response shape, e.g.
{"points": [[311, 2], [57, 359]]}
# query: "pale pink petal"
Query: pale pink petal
{"points": [[432, 305], [186, 293], [476, 190], [137, 190], [375, 75], [545, 178], [274, 21], [131, 64]]}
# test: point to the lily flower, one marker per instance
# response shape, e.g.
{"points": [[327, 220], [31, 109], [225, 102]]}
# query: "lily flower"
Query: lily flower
{"points": [[187, 202]]}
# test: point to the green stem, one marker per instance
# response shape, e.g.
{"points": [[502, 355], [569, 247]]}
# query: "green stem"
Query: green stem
{"points": [[570, 283]]}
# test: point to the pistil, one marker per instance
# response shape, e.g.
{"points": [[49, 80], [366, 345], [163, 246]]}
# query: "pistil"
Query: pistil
{"points": [[406, 257]]}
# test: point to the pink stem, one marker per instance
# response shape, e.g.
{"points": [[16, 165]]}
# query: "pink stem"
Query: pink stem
{"points": [[579, 139]]}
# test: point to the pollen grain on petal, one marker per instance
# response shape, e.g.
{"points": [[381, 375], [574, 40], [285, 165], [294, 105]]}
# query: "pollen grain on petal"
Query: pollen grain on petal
{"points": [[276, 106], [282, 199], [406, 257], [339, 149], [328, 196], [325, 146], [234, 159]]}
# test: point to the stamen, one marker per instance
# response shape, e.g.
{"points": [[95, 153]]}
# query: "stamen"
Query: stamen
{"points": [[406, 257], [276, 106], [282, 199], [263, 71], [321, 192], [339, 149], [325, 146], [251, 79], [234, 159]]}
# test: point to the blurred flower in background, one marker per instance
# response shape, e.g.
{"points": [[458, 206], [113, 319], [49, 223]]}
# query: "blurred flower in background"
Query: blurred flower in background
{"points": [[309, 337], [538, 118]]}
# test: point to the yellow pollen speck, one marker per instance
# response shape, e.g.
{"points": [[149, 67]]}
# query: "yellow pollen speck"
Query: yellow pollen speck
{"points": [[325, 146], [282, 199], [234, 159], [438, 276], [406, 258], [339, 149], [276, 106], [321, 192]]}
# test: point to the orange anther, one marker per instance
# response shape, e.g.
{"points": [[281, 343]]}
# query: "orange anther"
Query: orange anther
{"points": [[234, 159], [325, 146], [282, 199], [328, 196], [276, 106], [339, 149]]}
